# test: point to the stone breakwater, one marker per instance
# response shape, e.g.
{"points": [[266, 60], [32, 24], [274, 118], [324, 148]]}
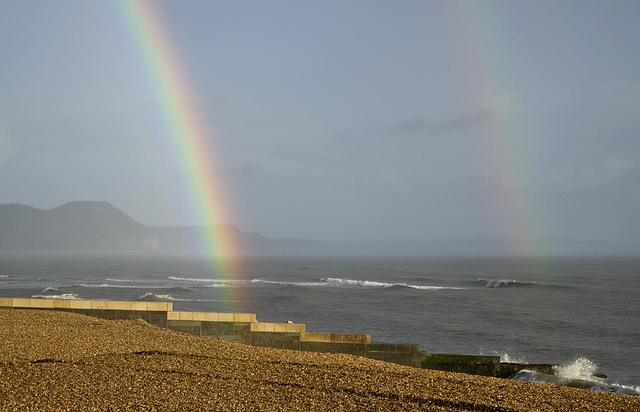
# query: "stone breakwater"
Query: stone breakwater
{"points": [[56, 360], [244, 328]]}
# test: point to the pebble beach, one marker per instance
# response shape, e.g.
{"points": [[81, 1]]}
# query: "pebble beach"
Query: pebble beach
{"points": [[65, 361]]}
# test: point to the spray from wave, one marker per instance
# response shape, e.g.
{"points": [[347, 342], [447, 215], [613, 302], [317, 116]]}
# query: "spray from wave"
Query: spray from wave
{"points": [[581, 368], [581, 373]]}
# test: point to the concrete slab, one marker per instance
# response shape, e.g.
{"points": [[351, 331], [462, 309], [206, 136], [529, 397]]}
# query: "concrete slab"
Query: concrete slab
{"points": [[173, 315], [211, 317], [225, 317], [98, 304], [257, 327], [315, 337], [62, 304], [118, 305], [41, 303], [160, 306], [21, 303], [296, 327], [279, 327], [185, 315], [244, 317], [80, 304], [138, 305]]}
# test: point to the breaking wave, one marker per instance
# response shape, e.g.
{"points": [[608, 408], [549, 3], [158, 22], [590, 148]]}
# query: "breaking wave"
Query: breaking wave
{"points": [[349, 283], [581, 373], [50, 289], [581, 368], [109, 285], [503, 283], [373, 284], [212, 283], [61, 296], [193, 279], [153, 297], [4, 276]]}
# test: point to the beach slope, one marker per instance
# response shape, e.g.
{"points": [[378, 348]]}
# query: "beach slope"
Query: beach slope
{"points": [[64, 361]]}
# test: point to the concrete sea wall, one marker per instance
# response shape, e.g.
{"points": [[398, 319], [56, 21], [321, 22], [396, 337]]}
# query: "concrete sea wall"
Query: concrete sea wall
{"points": [[244, 328]]}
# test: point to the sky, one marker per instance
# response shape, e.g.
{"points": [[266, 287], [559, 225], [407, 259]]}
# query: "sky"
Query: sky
{"points": [[337, 120]]}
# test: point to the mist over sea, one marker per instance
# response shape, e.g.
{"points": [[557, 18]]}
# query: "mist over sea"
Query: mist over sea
{"points": [[582, 313]]}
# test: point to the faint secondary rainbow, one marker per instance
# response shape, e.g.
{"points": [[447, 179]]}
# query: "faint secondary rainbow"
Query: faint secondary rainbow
{"points": [[516, 208], [189, 138]]}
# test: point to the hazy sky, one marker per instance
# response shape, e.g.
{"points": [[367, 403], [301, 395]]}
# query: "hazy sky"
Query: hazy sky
{"points": [[339, 119]]}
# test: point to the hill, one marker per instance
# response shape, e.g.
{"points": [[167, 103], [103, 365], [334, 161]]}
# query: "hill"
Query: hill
{"points": [[99, 226]]}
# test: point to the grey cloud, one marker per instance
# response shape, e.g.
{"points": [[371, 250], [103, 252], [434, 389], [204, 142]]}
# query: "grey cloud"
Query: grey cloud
{"points": [[603, 175], [419, 126], [247, 171], [409, 127], [304, 156], [463, 122]]}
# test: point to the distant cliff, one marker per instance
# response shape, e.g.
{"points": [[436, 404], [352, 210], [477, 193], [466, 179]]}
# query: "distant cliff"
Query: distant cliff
{"points": [[72, 226], [97, 226]]}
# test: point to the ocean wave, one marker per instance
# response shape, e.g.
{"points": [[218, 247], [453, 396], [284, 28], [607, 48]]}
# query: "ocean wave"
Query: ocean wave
{"points": [[503, 283], [153, 296], [374, 284], [581, 373], [69, 296], [190, 279], [5, 276], [51, 289], [591, 384], [350, 283], [109, 285], [508, 358], [119, 280], [581, 368]]}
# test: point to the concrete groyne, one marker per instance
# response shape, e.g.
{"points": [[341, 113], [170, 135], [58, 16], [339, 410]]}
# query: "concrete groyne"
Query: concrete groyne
{"points": [[245, 328]]}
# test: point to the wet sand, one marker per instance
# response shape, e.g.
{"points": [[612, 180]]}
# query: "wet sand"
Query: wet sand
{"points": [[63, 361]]}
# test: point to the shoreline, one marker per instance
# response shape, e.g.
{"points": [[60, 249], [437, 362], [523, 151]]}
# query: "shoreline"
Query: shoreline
{"points": [[65, 360]]}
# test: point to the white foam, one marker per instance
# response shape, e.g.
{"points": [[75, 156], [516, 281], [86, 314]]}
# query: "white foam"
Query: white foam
{"points": [[108, 285], [205, 280], [190, 279], [581, 368], [374, 284], [50, 289], [498, 283], [590, 383], [508, 358], [169, 297], [153, 295], [69, 296], [4, 276], [350, 283]]}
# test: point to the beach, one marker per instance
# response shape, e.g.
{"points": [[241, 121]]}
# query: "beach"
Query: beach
{"points": [[64, 361]]}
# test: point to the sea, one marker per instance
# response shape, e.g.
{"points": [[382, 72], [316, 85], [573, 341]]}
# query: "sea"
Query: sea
{"points": [[580, 313]]}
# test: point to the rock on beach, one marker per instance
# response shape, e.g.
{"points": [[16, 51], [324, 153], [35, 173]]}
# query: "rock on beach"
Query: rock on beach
{"points": [[65, 361]]}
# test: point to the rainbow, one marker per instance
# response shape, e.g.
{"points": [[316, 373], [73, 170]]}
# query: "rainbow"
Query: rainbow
{"points": [[191, 141], [515, 210]]}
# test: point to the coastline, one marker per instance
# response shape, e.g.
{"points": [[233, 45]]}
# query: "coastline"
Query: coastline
{"points": [[64, 360]]}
